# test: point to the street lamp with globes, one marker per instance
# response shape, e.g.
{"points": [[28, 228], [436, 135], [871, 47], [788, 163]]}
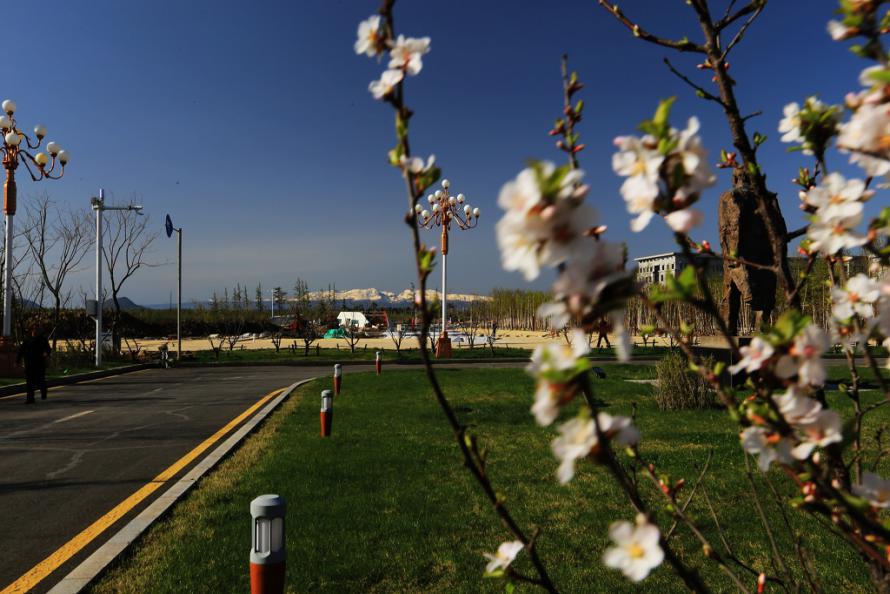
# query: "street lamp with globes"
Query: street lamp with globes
{"points": [[16, 148], [445, 210]]}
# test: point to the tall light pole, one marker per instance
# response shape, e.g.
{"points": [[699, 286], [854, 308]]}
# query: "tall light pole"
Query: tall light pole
{"points": [[15, 152], [168, 226], [445, 210], [98, 204]]}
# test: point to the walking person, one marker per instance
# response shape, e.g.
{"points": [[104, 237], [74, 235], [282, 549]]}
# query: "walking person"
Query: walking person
{"points": [[34, 352], [603, 328]]}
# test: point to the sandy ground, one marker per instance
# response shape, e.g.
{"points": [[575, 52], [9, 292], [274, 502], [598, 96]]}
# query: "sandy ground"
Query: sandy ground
{"points": [[506, 338]]}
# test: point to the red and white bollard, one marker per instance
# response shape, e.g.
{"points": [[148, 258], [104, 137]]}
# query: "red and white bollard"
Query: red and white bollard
{"points": [[338, 378], [378, 363], [327, 412], [267, 552]]}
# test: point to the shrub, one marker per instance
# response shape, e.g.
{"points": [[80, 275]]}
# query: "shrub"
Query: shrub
{"points": [[677, 388]]}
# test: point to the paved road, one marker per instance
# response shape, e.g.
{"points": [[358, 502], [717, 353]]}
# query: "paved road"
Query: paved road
{"points": [[66, 461]]}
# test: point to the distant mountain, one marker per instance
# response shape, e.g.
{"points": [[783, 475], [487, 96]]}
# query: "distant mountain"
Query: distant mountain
{"points": [[390, 299], [359, 298], [125, 302]]}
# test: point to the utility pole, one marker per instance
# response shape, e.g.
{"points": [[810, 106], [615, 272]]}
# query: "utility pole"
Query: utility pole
{"points": [[98, 204]]}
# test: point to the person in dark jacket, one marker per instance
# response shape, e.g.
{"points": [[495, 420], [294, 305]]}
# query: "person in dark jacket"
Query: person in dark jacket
{"points": [[34, 353]]}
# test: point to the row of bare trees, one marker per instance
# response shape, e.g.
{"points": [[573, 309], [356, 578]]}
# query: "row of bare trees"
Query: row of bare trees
{"points": [[51, 246]]}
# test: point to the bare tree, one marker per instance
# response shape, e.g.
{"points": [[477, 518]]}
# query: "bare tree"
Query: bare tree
{"points": [[397, 335], [477, 313], [306, 326], [216, 342], [57, 244], [277, 336], [128, 238], [351, 333]]}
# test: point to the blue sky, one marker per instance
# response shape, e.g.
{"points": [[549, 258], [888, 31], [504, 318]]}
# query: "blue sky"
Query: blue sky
{"points": [[251, 123]]}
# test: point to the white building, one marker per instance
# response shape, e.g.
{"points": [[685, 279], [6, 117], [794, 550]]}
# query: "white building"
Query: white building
{"points": [[354, 319], [654, 269]]}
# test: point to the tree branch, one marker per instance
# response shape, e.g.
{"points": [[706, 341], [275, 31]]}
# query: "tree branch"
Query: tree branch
{"points": [[683, 45]]}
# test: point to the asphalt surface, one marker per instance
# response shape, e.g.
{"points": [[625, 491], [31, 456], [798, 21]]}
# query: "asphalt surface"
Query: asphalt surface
{"points": [[66, 461]]}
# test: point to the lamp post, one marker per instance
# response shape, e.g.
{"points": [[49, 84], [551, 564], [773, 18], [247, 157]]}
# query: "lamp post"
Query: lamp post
{"points": [[169, 228], [98, 204], [446, 209], [15, 151]]}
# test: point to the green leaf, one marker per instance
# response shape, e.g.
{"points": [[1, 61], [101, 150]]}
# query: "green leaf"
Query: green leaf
{"points": [[687, 281], [401, 126], [395, 156], [881, 76], [663, 112]]}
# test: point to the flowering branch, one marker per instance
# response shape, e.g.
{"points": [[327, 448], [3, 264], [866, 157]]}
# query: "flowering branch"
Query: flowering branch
{"points": [[376, 37]]}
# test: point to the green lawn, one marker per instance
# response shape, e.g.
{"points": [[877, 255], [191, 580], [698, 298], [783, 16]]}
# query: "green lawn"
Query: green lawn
{"points": [[385, 505]]}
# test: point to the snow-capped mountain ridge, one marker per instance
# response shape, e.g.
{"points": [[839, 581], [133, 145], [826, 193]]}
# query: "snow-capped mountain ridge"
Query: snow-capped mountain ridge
{"points": [[390, 298]]}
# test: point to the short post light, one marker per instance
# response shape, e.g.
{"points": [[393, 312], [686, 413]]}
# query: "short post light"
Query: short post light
{"points": [[446, 209], [327, 412], [338, 378], [378, 363], [267, 551]]}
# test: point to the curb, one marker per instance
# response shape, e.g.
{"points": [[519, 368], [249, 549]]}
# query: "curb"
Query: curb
{"points": [[14, 389], [81, 576]]}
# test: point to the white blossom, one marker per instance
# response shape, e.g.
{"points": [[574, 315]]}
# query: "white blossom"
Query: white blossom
{"points": [[835, 194], [825, 429], [652, 181], [504, 556], [797, 409], [639, 160], [875, 489], [694, 158], [839, 31], [416, 165], [829, 236], [554, 366], [857, 297], [804, 359], [682, 221], [624, 344], [368, 36], [576, 439], [407, 54], [789, 126], [618, 428], [637, 550], [770, 446], [753, 356], [867, 136], [388, 81], [539, 230]]}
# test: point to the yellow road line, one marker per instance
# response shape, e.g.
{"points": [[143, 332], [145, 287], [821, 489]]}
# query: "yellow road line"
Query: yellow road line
{"points": [[37, 573], [90, 381]]}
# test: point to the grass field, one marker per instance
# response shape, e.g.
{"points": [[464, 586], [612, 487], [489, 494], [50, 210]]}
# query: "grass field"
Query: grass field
{"points": [[385, 505], [406, 355]]}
